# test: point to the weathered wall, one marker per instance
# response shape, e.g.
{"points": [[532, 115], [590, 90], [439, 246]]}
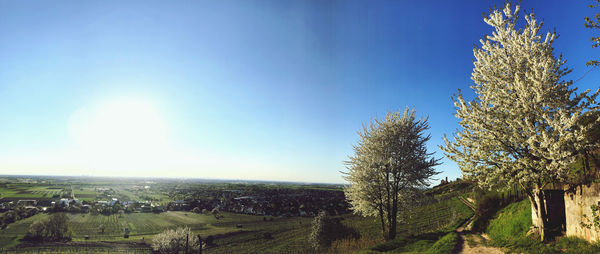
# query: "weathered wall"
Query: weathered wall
{"points": [[577, 204]]}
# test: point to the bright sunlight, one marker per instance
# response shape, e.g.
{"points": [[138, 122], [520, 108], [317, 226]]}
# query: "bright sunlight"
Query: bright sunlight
{"points": [[126, 133]]}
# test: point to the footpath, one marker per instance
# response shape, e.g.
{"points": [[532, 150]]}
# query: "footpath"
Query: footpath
{"points": [[471, 243]]}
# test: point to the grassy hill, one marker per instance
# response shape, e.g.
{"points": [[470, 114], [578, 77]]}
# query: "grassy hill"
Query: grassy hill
{"points": [[509, 226]]}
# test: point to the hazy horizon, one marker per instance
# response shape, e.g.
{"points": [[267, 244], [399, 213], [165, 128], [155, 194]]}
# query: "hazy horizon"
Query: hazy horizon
{"points": [[265, 90]]}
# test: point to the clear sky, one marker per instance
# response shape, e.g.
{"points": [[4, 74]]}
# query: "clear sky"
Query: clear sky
{"points": [[271, 90]]}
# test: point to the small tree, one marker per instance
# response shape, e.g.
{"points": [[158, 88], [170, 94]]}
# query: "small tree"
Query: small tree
{"points": [[389, 163], [55, 228], [522, 128], [175, 241]]}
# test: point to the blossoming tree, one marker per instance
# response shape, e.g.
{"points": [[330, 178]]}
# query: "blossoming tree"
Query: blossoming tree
{"points": [[389, 162], [522, 127]]}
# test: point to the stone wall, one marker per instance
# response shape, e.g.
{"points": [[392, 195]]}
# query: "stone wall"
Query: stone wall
{"points": [[577, 203]]}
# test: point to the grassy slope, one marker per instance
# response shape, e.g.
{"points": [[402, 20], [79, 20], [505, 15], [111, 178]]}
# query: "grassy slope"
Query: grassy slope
{"points": [[509, 227], [510, 223]]}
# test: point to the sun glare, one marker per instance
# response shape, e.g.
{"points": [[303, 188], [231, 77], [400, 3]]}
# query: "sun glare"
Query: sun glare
{"points": [[124, 134]]}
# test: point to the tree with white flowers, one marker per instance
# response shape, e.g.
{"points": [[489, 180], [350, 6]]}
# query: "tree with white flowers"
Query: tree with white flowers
{"points": [[523, 125], [389, 163], [175, 241]]}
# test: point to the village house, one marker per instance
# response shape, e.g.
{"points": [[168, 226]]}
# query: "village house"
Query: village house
{"points": [[64, 202]]}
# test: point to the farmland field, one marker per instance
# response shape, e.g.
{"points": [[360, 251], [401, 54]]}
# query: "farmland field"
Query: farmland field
{"points": [[24, 191]]}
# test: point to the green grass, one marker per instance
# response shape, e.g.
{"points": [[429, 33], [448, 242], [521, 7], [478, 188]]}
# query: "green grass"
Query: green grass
{"points": [[510, 223], [25, 191], [509, 227], [446, 244]]}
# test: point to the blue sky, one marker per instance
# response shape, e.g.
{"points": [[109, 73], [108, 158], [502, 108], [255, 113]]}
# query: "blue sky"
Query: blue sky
{"points": [[272, 90]]}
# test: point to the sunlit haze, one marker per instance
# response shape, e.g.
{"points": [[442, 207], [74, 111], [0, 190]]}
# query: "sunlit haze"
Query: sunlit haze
{"points": [[250, 90]]}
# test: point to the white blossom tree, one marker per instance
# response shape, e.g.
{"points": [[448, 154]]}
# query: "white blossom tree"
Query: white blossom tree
{"points": [[522, 127], [176, 241], [390, 161]]}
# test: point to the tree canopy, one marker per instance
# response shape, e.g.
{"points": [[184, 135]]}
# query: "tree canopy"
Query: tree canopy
{"points": [[523, 127], [390, 161]]}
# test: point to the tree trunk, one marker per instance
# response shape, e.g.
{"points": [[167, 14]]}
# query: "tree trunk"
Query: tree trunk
{"points": [[394, 213], [382, 222], [540, 209], [389, 226], [392, 226]]}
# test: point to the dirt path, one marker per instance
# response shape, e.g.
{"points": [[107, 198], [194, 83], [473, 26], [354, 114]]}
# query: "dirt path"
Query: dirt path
{"points": [[473, 243]]}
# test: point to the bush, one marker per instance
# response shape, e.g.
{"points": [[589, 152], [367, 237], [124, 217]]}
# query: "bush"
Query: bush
{"points": [[325, 230]]}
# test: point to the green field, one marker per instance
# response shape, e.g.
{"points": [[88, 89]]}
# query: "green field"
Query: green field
{"points": [[24, 191], [85, 193]]}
